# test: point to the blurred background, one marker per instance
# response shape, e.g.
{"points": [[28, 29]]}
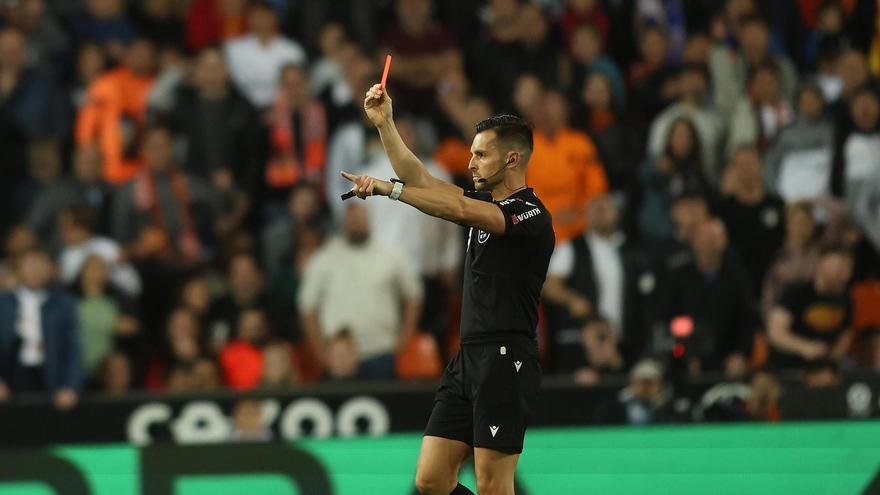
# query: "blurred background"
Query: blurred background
{"points": [[176, 266]]}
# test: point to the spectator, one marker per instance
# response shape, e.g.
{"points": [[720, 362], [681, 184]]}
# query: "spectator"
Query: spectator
{"points": [[91, 62], [763, 401], [369, 304], [799, 163], [813, 320], [27, 98], [116, 377], [160, 21], [43, 170], [161, 213], [796, 259], [211, 21], [678, 169], [247, 290], [19, 241], [596, 275], [217, 127], [829, 28], [197, 295], [84, 187], [754, 218], [326, 72], [242, 358], [351, 148], [587, 57], [107, 320], [104, 22], [620, 142], [248, 422], [646, 400], [713, 292], [564, 171], [255, 59], [759, 116], [517, 41], [279, 370], [424, 51], [730, 69], [584, 13], [861, 149], [652, 82], [39, 342], [342, 358], [670, 16], [290, 240], [114, 114], [77, 225], [433, 246], [599, 354], [693, 82], [689, 210], [342, 99], [297, 137], [827, 74], [182, 346], [47, 42], [855, 76], [201, 375]]}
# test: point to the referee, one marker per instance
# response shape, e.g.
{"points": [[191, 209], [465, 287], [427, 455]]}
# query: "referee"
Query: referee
{"points": [[490, 387]]}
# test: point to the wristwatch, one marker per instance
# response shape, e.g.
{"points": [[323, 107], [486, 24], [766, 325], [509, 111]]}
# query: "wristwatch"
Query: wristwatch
{"points": [[396, 190]]}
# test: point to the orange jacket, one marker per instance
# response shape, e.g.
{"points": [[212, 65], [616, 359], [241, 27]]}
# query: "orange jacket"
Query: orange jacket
{"points": [[116, 95], [566, 174]]}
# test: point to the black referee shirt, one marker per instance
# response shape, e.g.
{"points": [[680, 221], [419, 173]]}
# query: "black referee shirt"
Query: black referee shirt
{"points": [[504, 274]]}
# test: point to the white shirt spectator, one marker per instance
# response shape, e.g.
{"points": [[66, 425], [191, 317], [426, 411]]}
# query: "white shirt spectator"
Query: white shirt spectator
{"points": [[123, 276], [861, 154], [434, 245], [607, 269], [29, 326], [350, 149], [360, 288], [254, 67]]}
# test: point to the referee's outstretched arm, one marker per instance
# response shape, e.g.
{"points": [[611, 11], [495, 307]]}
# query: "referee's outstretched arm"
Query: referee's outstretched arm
{"points": [[409, 169], [423, 191]]}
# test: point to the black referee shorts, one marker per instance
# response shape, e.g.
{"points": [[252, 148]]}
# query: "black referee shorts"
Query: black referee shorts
{"points": [[487, 394]]}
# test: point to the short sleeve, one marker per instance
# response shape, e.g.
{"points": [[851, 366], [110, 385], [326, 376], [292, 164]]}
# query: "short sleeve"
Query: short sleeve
{"points": [[523, 218], [311, 290], [562, 261]]}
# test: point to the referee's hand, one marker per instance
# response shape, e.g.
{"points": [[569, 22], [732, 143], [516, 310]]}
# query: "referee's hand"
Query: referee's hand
{"points": [[377, 105], [365, 185]]}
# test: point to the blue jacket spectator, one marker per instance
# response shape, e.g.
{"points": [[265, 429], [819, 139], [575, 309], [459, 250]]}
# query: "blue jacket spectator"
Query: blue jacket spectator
{"points": [[39, 349]]}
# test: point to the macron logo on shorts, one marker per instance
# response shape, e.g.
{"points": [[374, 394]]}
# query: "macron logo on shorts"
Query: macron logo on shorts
{"points": [[493, 430]]}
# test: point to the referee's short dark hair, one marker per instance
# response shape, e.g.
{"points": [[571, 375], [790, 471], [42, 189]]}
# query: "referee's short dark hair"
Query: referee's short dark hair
{"points": [[510, 129]]}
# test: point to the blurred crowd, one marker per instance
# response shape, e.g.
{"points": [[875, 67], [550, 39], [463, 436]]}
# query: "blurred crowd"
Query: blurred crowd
{"points": [[169, 172]]}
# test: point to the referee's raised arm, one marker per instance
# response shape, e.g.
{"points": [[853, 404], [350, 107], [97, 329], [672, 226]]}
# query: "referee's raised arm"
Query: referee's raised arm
{"points": [[407, 166]]}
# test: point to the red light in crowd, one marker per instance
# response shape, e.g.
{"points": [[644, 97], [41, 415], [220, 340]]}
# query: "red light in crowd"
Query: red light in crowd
{"points": [[682, 326], [678, 350]]}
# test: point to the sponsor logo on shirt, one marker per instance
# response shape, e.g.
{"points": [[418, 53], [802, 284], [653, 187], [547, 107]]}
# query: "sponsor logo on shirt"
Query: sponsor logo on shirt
{"points": [[483, 237], [515, 219], [508, 201]]}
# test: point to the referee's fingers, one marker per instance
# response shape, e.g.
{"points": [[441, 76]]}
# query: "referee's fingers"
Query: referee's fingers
{"points": [[349, 176]]}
